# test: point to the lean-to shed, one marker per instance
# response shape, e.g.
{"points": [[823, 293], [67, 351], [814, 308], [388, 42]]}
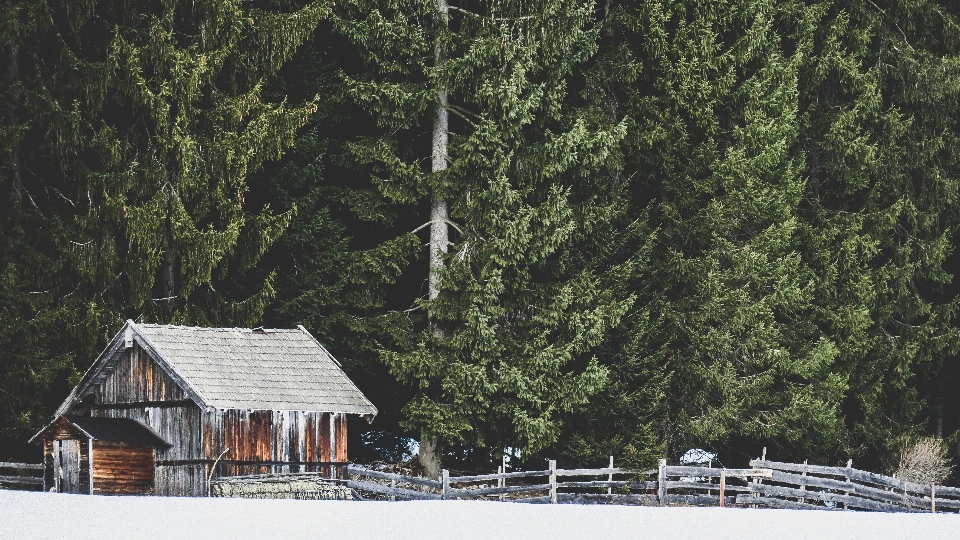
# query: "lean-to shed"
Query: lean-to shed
{"points": [[163, 405]]}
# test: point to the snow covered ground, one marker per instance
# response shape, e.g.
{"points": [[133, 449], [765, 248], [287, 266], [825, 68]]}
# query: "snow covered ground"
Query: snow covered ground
{"points": [[25, 516]]}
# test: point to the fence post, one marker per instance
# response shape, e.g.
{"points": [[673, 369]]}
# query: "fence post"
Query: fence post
{"points": [[849, 466], [723, 487], [662, 482], [803, 487], [393, 485], [503, 481], [933, 498], [610, 477], [553, 481], [445, 484]]}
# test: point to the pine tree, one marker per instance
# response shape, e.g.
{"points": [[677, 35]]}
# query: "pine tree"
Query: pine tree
{"points": [[517, 313], [129, 131], [720, 350], [879, 108], [155, 120], [32, 357]]}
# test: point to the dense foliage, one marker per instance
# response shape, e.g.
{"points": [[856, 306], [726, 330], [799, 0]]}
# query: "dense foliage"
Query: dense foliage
{"points": [[717, 223]]}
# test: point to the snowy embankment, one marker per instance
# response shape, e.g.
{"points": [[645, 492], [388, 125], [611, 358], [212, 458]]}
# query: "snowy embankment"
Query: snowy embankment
{"points": [[26, 515]]}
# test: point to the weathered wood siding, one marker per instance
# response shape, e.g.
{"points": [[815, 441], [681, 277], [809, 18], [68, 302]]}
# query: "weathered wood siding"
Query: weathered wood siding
{"points": [[66, 460], [139, 389], [122, 469], [137, 378], [263, 442]]}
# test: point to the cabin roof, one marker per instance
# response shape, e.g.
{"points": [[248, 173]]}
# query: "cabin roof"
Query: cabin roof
{"points": [[121, 430], [240, 368]]}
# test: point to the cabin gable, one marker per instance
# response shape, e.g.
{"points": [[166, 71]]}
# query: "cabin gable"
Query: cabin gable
{"points": [[135, 377]]}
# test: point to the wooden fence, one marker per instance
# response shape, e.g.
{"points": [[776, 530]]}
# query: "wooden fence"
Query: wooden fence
{"points": [[23, 476], [794, 485], [766, 483], [550, 485]]}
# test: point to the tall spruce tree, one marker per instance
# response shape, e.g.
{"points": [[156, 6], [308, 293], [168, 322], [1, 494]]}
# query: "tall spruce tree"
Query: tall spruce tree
{"points": [[33, 321], [721, 350], [879, 108], [517, 311], [130, 129], [153, 112]]}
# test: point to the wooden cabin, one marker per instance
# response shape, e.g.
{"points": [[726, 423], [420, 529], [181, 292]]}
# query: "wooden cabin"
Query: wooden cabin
{"points": [[165, 408]]}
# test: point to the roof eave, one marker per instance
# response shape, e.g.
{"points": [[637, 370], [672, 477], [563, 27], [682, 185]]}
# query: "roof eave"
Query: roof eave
{"points": [[373, 408]]}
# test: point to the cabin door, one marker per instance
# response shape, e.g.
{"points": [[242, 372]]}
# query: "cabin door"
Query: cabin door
{"points": [[66, 465]]}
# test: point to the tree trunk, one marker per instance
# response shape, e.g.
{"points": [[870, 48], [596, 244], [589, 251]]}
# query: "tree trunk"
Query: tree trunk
{"points": [[429, 457]]}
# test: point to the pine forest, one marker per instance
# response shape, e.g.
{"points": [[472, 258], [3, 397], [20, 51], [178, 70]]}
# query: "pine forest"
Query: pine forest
{"points": [[556, 229]]}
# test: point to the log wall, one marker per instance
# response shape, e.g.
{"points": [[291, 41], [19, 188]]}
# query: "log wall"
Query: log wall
{"points": [[122, 469]]}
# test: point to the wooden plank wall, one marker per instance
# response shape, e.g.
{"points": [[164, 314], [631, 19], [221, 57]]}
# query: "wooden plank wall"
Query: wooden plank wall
{"points": [[78, 471], [121, 469], [49, 482], [137, 379], [273, 442]]}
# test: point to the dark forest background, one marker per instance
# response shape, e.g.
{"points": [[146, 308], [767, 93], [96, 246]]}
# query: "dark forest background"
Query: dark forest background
{"points": [[727, 224]]}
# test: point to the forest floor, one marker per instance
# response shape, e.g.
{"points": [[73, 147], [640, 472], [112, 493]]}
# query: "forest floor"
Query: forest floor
{"points": [[31, 515]]}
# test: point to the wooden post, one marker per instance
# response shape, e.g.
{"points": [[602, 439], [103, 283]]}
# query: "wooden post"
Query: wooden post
{"points": [[445, 483], [553, 481], [723, 487], [610, 477], [503, 481], [803, 487], [393, 485], [662, 483], [849, 466], [933, 498], [710, 480]]}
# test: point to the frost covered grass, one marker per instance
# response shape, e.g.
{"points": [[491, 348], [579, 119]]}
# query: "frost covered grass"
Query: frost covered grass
{"points": [[27, 515]]}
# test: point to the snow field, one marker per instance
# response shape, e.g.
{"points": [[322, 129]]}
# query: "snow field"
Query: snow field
{"points": [[31, 515]]}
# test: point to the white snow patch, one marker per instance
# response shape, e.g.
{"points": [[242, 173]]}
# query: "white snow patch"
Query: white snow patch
{"points": [[696, 456], [27, 516]]}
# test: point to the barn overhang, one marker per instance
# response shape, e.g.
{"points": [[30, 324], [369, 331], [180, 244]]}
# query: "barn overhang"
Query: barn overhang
{"points": [[116, 430]]}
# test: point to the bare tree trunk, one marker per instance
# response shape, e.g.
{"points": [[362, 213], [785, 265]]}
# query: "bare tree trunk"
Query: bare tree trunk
{"points": [[169, 269], [428, 456], [938, 405]]}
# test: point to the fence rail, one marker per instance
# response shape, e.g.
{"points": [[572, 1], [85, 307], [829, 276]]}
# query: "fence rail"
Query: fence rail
{"points": [[12, 476], [766, 483], [821, 486], [529, 486]]}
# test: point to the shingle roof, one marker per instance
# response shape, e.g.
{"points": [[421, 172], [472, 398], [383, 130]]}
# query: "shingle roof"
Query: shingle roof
{"points": [[122, 430], [239, 368]]}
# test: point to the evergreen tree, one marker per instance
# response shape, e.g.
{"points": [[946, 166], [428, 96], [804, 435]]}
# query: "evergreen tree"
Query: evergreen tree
{"points": [[518, 312], [32, 357], [155, 118], [721, 350], [879, 109], [130, 130]]}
